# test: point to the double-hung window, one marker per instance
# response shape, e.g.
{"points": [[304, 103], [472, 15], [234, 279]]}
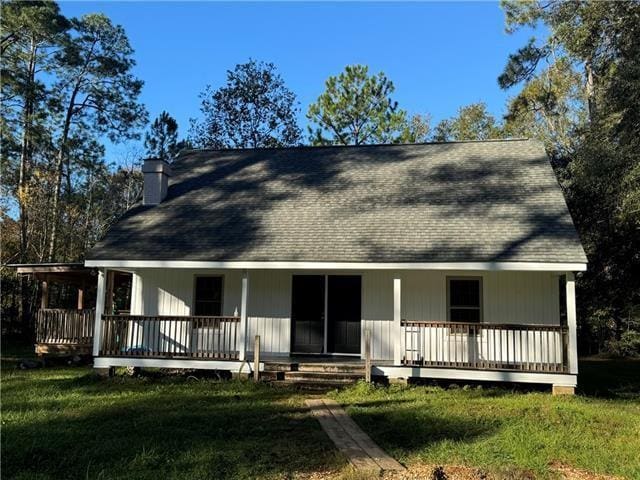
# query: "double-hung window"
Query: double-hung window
{"points": [[208, 296], [464, 299]]}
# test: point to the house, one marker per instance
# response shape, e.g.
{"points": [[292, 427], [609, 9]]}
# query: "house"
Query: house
{"points": [[455, 260]]}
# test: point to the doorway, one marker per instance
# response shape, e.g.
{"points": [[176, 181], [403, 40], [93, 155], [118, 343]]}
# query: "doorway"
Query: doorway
{"points": [[326, 314]]}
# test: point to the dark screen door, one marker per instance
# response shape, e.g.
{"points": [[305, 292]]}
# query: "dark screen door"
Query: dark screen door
{"points": [[307, 313], [344, 310]]}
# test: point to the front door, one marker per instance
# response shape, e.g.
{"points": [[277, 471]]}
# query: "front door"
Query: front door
{"points": [[344, 309], [307, 313]]}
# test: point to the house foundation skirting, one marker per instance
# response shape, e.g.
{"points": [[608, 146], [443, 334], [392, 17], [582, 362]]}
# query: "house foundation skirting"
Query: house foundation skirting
{"points": [[559, 379], [233, 366]]}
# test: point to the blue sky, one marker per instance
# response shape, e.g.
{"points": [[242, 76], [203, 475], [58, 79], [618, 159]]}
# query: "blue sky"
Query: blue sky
{"points": [[439, 55]]}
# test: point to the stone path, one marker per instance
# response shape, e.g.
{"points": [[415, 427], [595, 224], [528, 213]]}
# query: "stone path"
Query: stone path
{"points": [[350, 440]]}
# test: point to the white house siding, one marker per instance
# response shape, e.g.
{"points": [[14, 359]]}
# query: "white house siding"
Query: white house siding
{"points": [[170, 292], [269, 311], [508, 297]]}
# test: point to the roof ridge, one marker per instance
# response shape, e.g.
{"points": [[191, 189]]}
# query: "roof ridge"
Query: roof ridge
{"points": [[373, 145]]}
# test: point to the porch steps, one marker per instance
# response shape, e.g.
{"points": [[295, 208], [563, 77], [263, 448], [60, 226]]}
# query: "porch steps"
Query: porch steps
{"points": [[313, 376]]}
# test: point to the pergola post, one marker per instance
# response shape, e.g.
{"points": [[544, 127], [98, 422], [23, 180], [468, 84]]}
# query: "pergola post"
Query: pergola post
{"points": [[100, 297], [397, 322], [572, 354], [81, 296], [242, 333], [44, 293]]}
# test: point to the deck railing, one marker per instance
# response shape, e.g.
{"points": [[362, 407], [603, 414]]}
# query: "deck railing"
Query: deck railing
{"points": [[485, 346], [170, 336], [59, 326]]}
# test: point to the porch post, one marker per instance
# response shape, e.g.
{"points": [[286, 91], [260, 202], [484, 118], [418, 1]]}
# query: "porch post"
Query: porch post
{"points": [[97, 326], [397, 327], [572, 354], [242, 334]]}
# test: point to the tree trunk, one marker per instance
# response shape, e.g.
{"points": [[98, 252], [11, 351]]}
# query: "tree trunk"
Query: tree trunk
{"points": [[23, 178], [590, 89], [55, 208], [25, 153]]}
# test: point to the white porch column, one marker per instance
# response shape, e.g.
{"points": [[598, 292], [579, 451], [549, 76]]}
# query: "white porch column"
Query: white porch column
{"points": [[397, 327], [242, 334], [97, 326], [572, 354]]}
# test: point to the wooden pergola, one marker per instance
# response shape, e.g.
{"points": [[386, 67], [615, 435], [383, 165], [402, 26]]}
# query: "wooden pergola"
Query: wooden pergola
{"points": [[62, 330], [75, 274]]}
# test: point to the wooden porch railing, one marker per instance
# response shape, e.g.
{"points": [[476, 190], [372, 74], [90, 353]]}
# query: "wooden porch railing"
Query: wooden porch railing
{"points": [[60, 326], [170, 337], [485, 346]]}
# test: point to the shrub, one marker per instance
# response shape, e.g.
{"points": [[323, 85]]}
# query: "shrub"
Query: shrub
{"points": [[627, 346]]}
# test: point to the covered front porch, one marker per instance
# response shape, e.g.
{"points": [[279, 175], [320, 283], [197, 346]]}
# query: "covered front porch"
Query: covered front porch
{"points": [[520, 323]]}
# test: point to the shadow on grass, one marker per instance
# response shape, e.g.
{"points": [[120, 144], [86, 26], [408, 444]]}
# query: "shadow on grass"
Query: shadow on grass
{"points": [[131, 428], [609, 378], [406, 431]]}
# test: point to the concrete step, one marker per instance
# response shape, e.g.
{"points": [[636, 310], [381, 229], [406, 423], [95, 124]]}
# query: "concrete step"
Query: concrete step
{"points": [[311, 385], [331, 368], [341, 377], [280, 366]]}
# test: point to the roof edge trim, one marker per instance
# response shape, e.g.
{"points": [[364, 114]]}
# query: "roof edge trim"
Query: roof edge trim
{"points": [[491, 266]]}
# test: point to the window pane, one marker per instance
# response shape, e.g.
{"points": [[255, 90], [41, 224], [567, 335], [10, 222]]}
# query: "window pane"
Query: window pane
{"points": [[208, 308], [464, 293], [465, 315], [208, 297]]}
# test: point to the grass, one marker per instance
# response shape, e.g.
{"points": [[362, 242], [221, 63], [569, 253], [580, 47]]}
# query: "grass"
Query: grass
{"points": [[63, 422], [506, 432]]}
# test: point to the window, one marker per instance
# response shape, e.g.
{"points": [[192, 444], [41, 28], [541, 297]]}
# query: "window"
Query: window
{"points": [[208, 297], [464, 299]]}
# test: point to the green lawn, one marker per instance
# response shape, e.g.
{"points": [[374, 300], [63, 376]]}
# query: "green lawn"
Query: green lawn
{"points": [[64, 423], [511, 433]]}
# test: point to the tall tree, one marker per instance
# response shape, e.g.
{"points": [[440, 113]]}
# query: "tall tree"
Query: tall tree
{"points": [[581, 86], [98, 94], [31, 31], [355, 109], [254, 109], [417, 129], [473, 122], [161, 141]]}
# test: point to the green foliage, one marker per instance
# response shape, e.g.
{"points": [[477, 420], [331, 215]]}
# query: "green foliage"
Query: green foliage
{"points": [[417, 129], [161, 141], [95, 86], [254, 109], [356, 109], [627, 346], [550, 107], [473, 122], [581, 96]]}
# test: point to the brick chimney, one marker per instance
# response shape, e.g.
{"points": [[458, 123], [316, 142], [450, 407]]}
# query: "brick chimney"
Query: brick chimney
{"points": [[156, 179]]}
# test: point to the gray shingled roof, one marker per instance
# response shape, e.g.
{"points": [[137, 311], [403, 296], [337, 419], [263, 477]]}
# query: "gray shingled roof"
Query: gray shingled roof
{"points": [[440, 202]]}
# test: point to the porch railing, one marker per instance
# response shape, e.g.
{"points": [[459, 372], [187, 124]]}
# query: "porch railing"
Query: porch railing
{"points": [[530, 348], [61, 326], [170, 336]]}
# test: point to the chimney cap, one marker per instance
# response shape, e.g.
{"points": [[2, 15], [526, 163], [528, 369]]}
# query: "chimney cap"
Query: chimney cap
{"points": [[156, 165]]}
